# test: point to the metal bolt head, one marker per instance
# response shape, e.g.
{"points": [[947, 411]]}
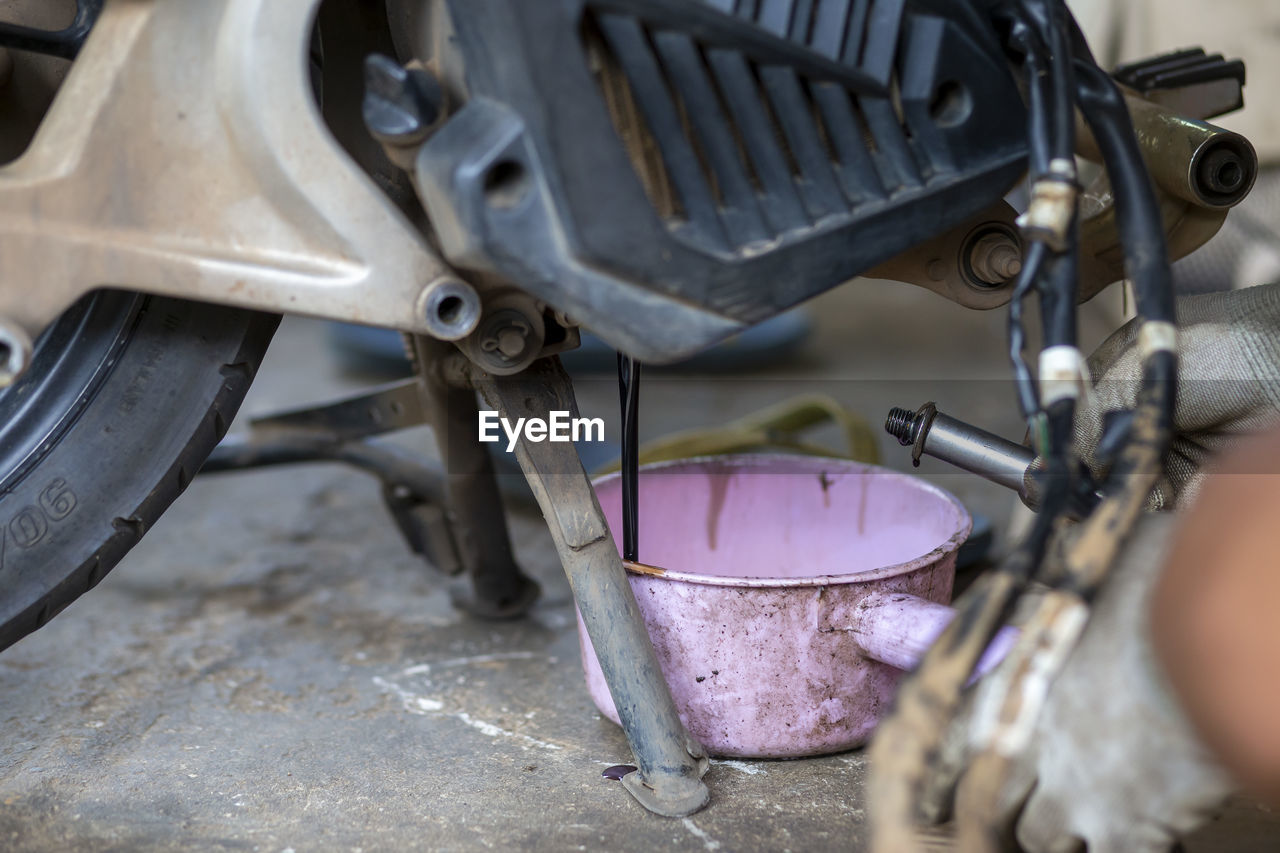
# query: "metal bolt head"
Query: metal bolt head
{"points": [[450, 308], [508, 339], [400, 104], [995, 259], [513, 340], [505, 334]]}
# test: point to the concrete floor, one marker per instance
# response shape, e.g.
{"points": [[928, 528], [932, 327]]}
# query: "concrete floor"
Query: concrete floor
{"points": [[271, 670]]}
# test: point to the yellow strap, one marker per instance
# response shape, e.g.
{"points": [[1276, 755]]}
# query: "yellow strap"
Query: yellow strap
{"points": [[775, 428]]}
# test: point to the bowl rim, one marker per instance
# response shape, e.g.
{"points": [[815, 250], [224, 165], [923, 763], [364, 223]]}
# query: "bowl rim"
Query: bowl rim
{"points": [[963, 521]]}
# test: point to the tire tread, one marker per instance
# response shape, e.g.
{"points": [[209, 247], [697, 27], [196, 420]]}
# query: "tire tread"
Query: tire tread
{"points": [[128, 529]]}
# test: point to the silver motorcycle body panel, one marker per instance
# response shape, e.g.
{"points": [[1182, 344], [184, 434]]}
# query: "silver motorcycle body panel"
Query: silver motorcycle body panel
{"points": [[186, 156]]}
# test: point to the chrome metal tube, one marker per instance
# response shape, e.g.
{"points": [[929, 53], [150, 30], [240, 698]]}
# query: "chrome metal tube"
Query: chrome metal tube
{"points": [[931, 433], [978, 451]]}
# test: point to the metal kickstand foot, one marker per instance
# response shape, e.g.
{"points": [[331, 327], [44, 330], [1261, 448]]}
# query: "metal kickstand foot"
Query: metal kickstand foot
{"points": [[670, 762]]}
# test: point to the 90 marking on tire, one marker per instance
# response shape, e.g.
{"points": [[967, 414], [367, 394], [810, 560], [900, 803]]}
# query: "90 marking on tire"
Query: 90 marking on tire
{"points": [[30, 525]]}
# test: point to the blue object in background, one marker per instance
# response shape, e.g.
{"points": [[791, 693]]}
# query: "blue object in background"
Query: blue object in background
{"points": [[364, 349]]}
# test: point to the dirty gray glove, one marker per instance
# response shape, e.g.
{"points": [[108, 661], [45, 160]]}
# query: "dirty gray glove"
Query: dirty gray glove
{"points": [[1229, 381], [1114, 761]]}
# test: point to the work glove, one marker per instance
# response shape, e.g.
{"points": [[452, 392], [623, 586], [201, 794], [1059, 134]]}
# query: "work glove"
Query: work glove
{"points": [[1114, 762], [1228, 382]]}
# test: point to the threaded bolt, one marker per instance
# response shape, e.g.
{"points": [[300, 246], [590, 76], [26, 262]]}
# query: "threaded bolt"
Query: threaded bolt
{"points": [[903, 424], [995, 259]]}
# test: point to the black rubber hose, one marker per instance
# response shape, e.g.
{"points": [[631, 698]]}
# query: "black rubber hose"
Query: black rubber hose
{"points": [[629, 394], [1063, 285], [1058, 287], [1137, 212], [1057, 483], [1145, 249], [1024, 383], [64, 43], [1025, 41], [1141, 233], [1058, 316], [1049, 23], [1036, 32]]}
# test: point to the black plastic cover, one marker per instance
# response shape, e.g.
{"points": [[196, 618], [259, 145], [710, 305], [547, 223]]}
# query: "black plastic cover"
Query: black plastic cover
{"points": [[668, 172]]}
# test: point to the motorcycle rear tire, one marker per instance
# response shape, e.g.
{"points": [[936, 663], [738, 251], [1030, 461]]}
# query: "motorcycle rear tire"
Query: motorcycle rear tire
{"points": [[125, 399]]}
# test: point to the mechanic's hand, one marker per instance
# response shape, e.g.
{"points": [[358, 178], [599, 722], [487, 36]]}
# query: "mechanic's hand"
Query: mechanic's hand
{"points": [[1114, 762], [1229, 381]]}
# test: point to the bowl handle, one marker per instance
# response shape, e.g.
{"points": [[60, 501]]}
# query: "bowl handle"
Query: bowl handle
{"points": [[897, 629]]}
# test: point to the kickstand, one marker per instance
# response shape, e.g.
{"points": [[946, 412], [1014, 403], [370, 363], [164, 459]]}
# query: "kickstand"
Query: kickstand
{"points": [[453, 517], [671, 763]]}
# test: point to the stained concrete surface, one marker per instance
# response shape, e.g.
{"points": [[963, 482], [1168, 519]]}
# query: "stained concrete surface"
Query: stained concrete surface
{"points": [[271, 670]]}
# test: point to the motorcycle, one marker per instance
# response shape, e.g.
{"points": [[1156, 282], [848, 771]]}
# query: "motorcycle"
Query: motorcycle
{"points": [[489, 177]]}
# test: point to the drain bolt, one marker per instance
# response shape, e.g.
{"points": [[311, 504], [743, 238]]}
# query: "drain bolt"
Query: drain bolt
{"points": [[929, 432], [903, 424]]}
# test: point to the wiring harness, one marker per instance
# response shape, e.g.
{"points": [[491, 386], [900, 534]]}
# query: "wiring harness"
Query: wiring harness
{"points": [[911, 767]]}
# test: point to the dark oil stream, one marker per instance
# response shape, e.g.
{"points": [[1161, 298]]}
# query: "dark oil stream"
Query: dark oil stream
{"points": [[629, 393]]}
